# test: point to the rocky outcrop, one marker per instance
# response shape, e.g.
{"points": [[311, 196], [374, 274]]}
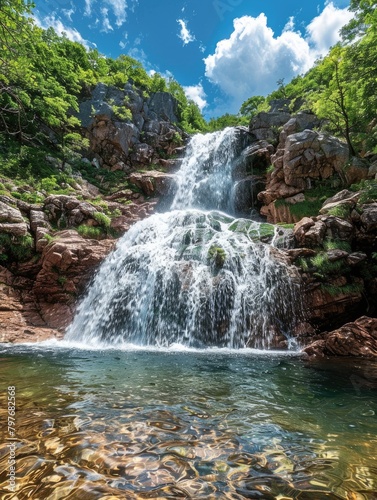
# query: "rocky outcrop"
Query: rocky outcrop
{"points": [[153, 183], [37, 301], [358, 339], [67, 264], [11, 221], [304, 157], [267, 126], [126, 129]]}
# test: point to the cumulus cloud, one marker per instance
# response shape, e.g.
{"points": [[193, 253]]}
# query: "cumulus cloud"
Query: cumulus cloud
{"points": [[185, 34], [71, 33], [196, 93], [253, 58], [323, 31]]}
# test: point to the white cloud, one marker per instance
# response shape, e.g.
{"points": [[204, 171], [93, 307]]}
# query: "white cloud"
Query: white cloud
{"points": [[106, 26], [185, 34], [196, 93], [123, 43], [68, 13], [88, 7], [323, 31], [71, 33], [290, 24], [252, 59], [118, 8]]}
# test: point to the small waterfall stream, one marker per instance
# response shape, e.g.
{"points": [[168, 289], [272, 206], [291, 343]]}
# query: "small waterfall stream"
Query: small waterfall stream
{"points": [[193, 275]]}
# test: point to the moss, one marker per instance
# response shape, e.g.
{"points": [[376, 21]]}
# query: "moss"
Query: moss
{"points": [[217, 255], [286, 226], [368, 190], [253, 230]]}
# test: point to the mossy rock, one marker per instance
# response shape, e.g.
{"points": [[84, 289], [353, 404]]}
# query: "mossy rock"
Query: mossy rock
{"points": [[254, 230], [217, 255]]}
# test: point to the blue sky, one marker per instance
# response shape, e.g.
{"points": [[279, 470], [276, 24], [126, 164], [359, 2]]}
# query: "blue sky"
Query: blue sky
{"points": [[221, 51]]}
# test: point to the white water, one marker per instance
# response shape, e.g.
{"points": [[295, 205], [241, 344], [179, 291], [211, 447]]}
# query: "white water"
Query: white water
{"points": [[189, 277], [205, 177]]}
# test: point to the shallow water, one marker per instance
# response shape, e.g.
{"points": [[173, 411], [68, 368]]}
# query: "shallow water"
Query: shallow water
{"points": [[137, 424]]}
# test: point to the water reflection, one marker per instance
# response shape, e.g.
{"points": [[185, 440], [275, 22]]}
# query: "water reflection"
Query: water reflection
{"points": [[112, 424]]}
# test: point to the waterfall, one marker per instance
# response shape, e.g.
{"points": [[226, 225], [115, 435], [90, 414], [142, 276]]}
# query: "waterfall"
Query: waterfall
{"points": [[193, 275]]}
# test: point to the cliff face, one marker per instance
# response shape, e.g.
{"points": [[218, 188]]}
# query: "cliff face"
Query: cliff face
{"points": [[127, 129]]}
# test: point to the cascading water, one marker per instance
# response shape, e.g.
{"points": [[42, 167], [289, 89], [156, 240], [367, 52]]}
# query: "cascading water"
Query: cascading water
{"points": [[190, 276]]}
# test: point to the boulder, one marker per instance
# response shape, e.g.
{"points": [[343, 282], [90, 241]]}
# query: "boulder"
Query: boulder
{"points": [[265, 126], [309, 233], [357, 339], [153, 183], [337, 228], [14, 229], [369, 217], [10, 215]]}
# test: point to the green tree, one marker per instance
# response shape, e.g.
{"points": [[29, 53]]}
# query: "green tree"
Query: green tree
{"points": [[250, 107]]}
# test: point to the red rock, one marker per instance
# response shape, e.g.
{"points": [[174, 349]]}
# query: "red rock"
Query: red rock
{"points": [[357, 339]]}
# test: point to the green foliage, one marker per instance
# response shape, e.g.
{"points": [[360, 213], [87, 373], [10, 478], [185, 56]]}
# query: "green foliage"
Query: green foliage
{"points": [[90, 232], [121, 112], [18, 248], [368, 190], [348, 289], [62, 280], [226, 120], [102, 219], [49, 184], [270, 169], [252, 106], [337, 245], [342, 211]]}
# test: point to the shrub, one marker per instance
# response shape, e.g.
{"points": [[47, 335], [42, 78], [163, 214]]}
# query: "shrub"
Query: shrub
{"points": [[102, 219], [94, 233], [16, 247]]}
